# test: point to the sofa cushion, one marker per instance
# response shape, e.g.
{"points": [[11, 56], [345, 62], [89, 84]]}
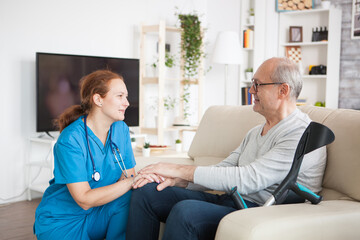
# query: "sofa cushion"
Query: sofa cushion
{"points": [[222, 129], [342, 178]]}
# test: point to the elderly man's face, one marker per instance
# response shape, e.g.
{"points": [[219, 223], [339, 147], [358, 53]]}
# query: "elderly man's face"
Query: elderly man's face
{"points": [[265, 97]]}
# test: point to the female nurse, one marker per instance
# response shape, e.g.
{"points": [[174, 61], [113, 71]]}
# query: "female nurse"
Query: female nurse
{"points": [[88, 198]]}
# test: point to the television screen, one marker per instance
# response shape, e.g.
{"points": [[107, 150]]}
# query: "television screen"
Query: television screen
{"points": [[58, 77]]}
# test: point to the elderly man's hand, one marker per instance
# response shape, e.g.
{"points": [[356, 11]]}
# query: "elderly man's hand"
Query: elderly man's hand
{"points": [[143, 179], [170, 170]]}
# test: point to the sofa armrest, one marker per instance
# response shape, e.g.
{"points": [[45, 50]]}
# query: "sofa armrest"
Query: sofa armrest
{"points": [[338, 219]]}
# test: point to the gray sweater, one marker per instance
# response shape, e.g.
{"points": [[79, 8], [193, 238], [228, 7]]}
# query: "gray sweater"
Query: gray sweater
{"points": [[260, 163]]}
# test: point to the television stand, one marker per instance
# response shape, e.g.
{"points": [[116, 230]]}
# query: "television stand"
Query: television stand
{"points": [[40, 157]]}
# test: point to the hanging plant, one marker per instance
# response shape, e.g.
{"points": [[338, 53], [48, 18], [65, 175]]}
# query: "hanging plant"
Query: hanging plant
{"points": [[191, 44], [192, 53]]}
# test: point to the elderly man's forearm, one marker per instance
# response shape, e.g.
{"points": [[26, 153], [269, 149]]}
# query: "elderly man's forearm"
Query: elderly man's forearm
{"points": [[186, 172]]}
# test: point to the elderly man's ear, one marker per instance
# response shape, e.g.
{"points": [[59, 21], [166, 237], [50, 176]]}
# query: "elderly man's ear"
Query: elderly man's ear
{"points": [[284, 90]]}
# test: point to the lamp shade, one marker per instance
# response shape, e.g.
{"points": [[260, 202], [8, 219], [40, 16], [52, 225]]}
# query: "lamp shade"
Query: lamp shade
{"points": [[227, 48]]}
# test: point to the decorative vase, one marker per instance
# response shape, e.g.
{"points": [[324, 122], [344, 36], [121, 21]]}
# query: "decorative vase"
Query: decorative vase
{"points": [[178, 147], [146, 152]]}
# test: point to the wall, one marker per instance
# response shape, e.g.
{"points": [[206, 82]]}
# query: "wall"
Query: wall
{"points": [[89, 27], [349, 92]]}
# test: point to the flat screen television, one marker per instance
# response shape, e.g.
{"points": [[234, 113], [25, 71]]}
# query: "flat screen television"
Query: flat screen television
{"points": [[57, 84]]}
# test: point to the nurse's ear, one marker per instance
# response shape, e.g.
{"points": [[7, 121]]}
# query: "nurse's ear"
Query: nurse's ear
{"points": [[97, 100]]}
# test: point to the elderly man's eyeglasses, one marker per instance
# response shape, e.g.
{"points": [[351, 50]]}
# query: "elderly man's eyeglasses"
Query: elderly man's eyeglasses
{"points": [[256, 85]]}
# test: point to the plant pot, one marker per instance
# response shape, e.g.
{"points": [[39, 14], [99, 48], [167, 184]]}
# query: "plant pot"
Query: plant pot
{"points": [[133, 144], [251, 20], [178, 147], [146, 152], [248, 76]]}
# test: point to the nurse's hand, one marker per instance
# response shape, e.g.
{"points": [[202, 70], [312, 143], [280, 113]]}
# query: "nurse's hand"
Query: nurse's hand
{"points": [[143, 179], [171, 182]]}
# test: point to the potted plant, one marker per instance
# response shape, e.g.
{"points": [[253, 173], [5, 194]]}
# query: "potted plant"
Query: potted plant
{"points": [[133, 142], [192, 53], [169, 105], [169, 63], [146, 149], [248, 74], [169, 60], [251, 17], [178, 145]]}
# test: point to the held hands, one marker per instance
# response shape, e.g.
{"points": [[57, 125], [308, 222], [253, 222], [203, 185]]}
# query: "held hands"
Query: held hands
{"points": [[165, 174], [143, 179]]}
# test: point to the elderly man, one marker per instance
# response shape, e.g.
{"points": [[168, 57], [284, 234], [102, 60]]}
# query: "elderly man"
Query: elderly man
{"points": [[256, 167]]}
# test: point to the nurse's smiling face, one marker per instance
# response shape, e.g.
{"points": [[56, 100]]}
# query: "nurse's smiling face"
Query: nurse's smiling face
{"points": [[115, 102]]}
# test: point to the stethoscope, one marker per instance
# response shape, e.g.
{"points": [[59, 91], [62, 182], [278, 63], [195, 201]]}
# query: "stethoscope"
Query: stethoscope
{"points": [[96, 175]]}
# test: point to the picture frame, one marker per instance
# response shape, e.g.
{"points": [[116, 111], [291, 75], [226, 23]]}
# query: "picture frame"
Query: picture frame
{"points": [[355, 20], [290, 5], [295, 34]]}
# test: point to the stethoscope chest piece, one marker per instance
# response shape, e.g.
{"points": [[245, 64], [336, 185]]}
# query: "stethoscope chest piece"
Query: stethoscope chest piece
{"points": [[96, 176]]}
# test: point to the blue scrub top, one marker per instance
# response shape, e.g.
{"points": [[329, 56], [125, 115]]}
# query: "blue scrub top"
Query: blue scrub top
{"points": [[73, 164]]}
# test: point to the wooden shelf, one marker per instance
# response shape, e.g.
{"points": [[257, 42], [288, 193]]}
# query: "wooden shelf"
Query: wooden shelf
{"points": [[161, 80], [302, 12], [315, 76], [305, 44], [156, 28]]}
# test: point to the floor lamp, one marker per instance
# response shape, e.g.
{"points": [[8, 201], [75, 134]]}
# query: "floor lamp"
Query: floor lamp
{"points": [[227, 51]]}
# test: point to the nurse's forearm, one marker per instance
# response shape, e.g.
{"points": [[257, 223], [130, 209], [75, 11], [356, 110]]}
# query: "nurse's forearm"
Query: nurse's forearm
{"points": [[87, 198]]}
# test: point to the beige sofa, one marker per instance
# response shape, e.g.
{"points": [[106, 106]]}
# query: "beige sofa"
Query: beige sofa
{"points": [[337, 217]]}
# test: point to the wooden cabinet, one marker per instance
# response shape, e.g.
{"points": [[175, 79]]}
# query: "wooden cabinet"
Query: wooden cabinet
{"points": [[316, 88], [161, 32]]}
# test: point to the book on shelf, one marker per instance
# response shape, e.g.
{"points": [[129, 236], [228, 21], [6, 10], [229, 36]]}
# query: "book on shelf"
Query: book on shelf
{"points": [[246, 98], [248, 38], [301, 102]]}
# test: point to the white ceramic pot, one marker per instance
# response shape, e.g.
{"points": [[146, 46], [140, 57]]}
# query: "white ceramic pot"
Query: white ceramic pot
{"points": [[251, 20], [133, 144], [178, 147], [248, 76], [146, 152]]}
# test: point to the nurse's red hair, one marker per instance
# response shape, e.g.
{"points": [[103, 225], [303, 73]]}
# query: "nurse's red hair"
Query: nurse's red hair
{"points": [[95, 83]]}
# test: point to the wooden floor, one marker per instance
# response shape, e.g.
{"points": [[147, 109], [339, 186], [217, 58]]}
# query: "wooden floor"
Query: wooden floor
{"points": [[17, 219]]}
